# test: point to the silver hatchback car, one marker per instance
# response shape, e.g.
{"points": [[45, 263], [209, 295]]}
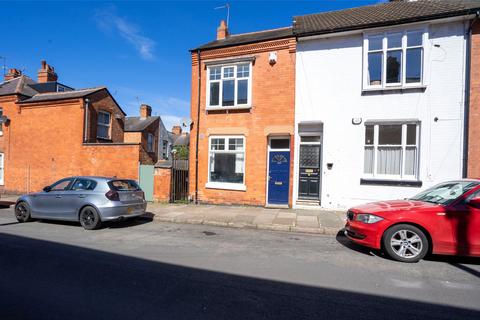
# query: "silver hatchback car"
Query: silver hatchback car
{"points": [[89, 200]]}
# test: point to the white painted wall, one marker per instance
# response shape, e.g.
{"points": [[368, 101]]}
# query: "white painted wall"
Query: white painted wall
{"points": [[329, 90]]}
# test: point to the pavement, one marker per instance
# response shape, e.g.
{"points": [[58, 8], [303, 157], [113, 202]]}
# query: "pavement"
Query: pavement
{"points": [[145, 270], [295, 220]]}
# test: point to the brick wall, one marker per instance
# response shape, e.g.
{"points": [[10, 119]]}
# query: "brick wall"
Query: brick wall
{"points": [[161, 184], [273, 100], [474, 115], [43, 143]]}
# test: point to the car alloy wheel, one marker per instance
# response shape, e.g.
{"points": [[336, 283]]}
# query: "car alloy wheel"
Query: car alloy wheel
{"points": [[406, 244], [22, 212], [89, 218]]}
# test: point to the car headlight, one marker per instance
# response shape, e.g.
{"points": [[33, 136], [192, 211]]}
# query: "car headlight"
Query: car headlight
{"points": [[368, 218]]}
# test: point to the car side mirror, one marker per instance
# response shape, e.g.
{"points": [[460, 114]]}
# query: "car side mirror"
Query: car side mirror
{"points": [[47, 189], [475, 202]]}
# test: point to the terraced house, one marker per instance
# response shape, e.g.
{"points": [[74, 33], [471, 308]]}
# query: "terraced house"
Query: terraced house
{"points": [[385, 103], [50, 131]]}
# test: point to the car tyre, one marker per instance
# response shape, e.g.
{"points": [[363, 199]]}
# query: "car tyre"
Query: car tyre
{"points": [[89, 218], [23, 212], [405, 243]]}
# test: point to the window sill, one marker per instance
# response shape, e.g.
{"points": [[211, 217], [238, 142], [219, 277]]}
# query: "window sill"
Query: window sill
{"points": [[390, 182], [395, 88], [226, 186], [228, 108]]}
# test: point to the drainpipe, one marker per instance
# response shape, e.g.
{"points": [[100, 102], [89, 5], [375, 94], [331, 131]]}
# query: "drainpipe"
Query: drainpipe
{"points": [[198, 125], [466, 113], [85, 127]]}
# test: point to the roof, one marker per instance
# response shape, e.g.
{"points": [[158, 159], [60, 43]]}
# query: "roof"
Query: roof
{"points": [[19, 85], [50, 96], [182, 139], [136, 124], [389, 13], [245, 38]]}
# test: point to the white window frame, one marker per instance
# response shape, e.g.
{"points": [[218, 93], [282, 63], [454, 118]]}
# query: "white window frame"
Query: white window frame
{"points": [[384, 35], [2, 169], [376, 145], [248, 105], [104, 125], [150, 142], [227, 185]]}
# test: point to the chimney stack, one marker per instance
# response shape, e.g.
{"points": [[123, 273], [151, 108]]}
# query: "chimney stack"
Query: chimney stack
{"points": [[12, 74], [46, 73], [222, 30], [145, 111], [177, 130]]}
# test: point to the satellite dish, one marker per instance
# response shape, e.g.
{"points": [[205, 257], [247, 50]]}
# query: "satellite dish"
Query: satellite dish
{"points": [[186, 122]]}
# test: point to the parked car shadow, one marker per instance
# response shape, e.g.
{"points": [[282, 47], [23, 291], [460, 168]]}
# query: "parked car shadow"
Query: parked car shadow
{"points": [[102, 285], [343, 240]]}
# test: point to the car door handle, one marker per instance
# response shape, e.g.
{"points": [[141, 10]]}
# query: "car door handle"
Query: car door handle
{"points": [[58, 197]]}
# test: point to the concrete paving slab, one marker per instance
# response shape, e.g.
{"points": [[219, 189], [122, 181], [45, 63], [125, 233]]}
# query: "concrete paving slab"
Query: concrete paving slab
{"points": [[307, 221], [264, 218]]}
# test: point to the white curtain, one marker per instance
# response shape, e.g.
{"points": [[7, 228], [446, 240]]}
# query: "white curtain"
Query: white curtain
{"points": [[410, 157], [389, 160], [239, 162], [368, 160]]}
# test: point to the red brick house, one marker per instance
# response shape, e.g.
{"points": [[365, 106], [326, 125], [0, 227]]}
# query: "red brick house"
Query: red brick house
{"points": [[50, 130], [473, 124], [242, 107]]}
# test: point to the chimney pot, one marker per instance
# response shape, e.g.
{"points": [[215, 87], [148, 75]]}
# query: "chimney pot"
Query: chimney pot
{"points": [[145, 111], [177, 130], [46, 73], [12, 74], [222, 30]]}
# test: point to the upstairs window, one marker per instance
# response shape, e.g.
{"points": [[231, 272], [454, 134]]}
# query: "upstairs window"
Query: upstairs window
{"points": [[229, 86], [1, 124], [394, 59], [150, 142], [391, 150], [103, 125]]}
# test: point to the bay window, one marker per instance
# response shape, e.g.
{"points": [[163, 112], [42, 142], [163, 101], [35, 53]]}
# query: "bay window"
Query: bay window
{"points": [[394, 59], [391, 150], [229, 86], [227, 161]]}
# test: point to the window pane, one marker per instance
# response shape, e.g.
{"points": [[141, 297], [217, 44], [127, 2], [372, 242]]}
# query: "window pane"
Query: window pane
{"points": [[102, 131], [61, 185], [228, 72], [228, 92], [390, 134], [394, 63], [217, 144], [84, 184], [226, 167], [375, 68], [310, 139], [375, 43], [235, 144], [368, 160], [243, 70], [215, 73], [242, 92], [309, 156], [411, 134], [394, 40], [369, 135], [279, 144], [410, 160], [389, 160], [414, 38], [214, 93], [414, 65]]}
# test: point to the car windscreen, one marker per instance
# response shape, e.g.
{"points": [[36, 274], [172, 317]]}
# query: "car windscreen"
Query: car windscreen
{"points": [[446, 193], [123, 185]]}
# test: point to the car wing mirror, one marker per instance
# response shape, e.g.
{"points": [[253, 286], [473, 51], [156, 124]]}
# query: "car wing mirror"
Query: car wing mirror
{"points": [[47, 189], [475, 202]]}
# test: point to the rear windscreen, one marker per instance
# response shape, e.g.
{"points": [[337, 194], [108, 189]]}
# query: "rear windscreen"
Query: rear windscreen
{"points": [[123, 185]]}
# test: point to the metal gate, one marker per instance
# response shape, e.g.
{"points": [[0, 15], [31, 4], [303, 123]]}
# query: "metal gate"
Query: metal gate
{"points": [[145, 179], [179, 181]]}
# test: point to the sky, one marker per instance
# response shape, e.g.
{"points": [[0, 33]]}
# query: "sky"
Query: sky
{"points": [[139, 50]]}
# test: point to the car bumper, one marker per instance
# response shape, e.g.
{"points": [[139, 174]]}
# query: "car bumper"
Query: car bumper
{"points": [[368, 235], [122, 211]]}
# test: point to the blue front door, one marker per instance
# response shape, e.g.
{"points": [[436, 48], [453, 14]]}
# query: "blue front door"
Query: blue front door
{"points": [[278, 177]]}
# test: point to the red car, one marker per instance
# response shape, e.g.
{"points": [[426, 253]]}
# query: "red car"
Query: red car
{"points": [[444, 219]]}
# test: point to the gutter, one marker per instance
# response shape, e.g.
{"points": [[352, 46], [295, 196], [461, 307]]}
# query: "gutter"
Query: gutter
{"points": [[466, 113], [85, 121], [197, 124]]}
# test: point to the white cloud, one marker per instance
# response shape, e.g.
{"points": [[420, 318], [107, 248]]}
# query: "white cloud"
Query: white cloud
{"points": [[171, 120], [108, 21]]}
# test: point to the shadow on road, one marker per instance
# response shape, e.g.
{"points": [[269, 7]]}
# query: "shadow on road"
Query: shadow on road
{"points": [[41, 279]]}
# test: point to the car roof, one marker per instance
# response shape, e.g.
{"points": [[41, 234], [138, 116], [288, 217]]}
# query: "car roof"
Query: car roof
{"points": [[98, 178]]}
